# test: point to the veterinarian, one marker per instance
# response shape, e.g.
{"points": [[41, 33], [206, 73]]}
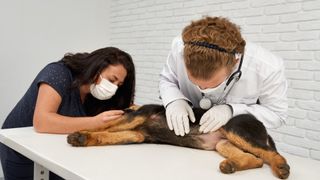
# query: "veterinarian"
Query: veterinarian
{"points": [[211, 66], [81, 91]]}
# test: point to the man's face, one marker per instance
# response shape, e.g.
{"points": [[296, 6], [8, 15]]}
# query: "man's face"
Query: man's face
{"points": [[215, 80]]}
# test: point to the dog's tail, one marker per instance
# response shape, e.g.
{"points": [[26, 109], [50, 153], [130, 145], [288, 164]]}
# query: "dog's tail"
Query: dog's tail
{"points": [[271, 143]]}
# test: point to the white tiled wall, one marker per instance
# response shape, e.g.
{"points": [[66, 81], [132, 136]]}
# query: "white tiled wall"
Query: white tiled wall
{"points": [[289, 28]]}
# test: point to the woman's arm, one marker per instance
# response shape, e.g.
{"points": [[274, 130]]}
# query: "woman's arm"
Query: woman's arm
{"points": [[47, 120]]}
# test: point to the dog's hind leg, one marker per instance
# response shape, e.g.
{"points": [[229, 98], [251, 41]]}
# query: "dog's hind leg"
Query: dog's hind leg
{"points": [[277, 162], [83, 138], [250, 135], [236, 159]]}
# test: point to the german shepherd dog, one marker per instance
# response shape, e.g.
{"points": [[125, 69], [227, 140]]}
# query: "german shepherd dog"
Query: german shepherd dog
{"points": [[244, 141]]}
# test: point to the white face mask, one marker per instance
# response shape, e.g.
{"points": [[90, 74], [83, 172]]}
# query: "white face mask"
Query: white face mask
{"points": [[211, 95], [103, 91], [216, 91]]}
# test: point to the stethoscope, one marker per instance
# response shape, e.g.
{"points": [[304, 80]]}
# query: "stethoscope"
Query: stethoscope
{"points": [[206, 102]]}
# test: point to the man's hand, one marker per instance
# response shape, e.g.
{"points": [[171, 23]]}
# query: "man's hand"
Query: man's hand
{"points": [[215, 117], [178, 113]]}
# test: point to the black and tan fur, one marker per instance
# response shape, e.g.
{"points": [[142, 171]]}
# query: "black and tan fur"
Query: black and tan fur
{"points": [[243, 141]]}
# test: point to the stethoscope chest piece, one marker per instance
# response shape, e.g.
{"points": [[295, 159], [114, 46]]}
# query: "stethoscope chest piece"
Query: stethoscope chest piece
{"points": [[205, 103]]}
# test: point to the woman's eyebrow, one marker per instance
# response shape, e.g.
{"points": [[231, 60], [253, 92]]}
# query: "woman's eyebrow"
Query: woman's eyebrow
{"points": [[115, 77], [120, 82]]}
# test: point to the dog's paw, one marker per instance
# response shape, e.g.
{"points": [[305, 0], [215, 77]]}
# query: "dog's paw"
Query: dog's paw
{"points": [[227, 167], [282, 170], [78, 139], [280, 167]]}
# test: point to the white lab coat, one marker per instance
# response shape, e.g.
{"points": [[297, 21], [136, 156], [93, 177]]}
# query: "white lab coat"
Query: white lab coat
{"points": [[262, 79]]}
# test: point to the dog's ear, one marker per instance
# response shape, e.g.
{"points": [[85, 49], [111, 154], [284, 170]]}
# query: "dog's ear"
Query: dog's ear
{"points": [[128, 110], [132, 108]]}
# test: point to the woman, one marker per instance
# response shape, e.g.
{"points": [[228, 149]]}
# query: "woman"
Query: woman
{"points": [[81, 91]]}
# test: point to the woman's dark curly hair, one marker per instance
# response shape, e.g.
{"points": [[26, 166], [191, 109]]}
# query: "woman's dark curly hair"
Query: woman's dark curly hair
{"points": [[86, 68]]}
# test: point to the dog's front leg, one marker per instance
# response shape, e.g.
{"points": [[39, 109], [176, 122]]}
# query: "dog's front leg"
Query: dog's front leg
{"points": [[85, 138]]}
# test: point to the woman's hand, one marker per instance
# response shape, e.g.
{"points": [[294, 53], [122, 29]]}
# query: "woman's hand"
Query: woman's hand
{"points": [[109, 115]]}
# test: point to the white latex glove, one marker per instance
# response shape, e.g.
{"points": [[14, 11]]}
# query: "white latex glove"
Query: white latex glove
{"points": [[178, 113], [215, 117]]}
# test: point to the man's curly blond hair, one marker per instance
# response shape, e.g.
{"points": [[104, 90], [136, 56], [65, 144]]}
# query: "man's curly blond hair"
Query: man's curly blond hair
{"points": [[202, 62]]}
